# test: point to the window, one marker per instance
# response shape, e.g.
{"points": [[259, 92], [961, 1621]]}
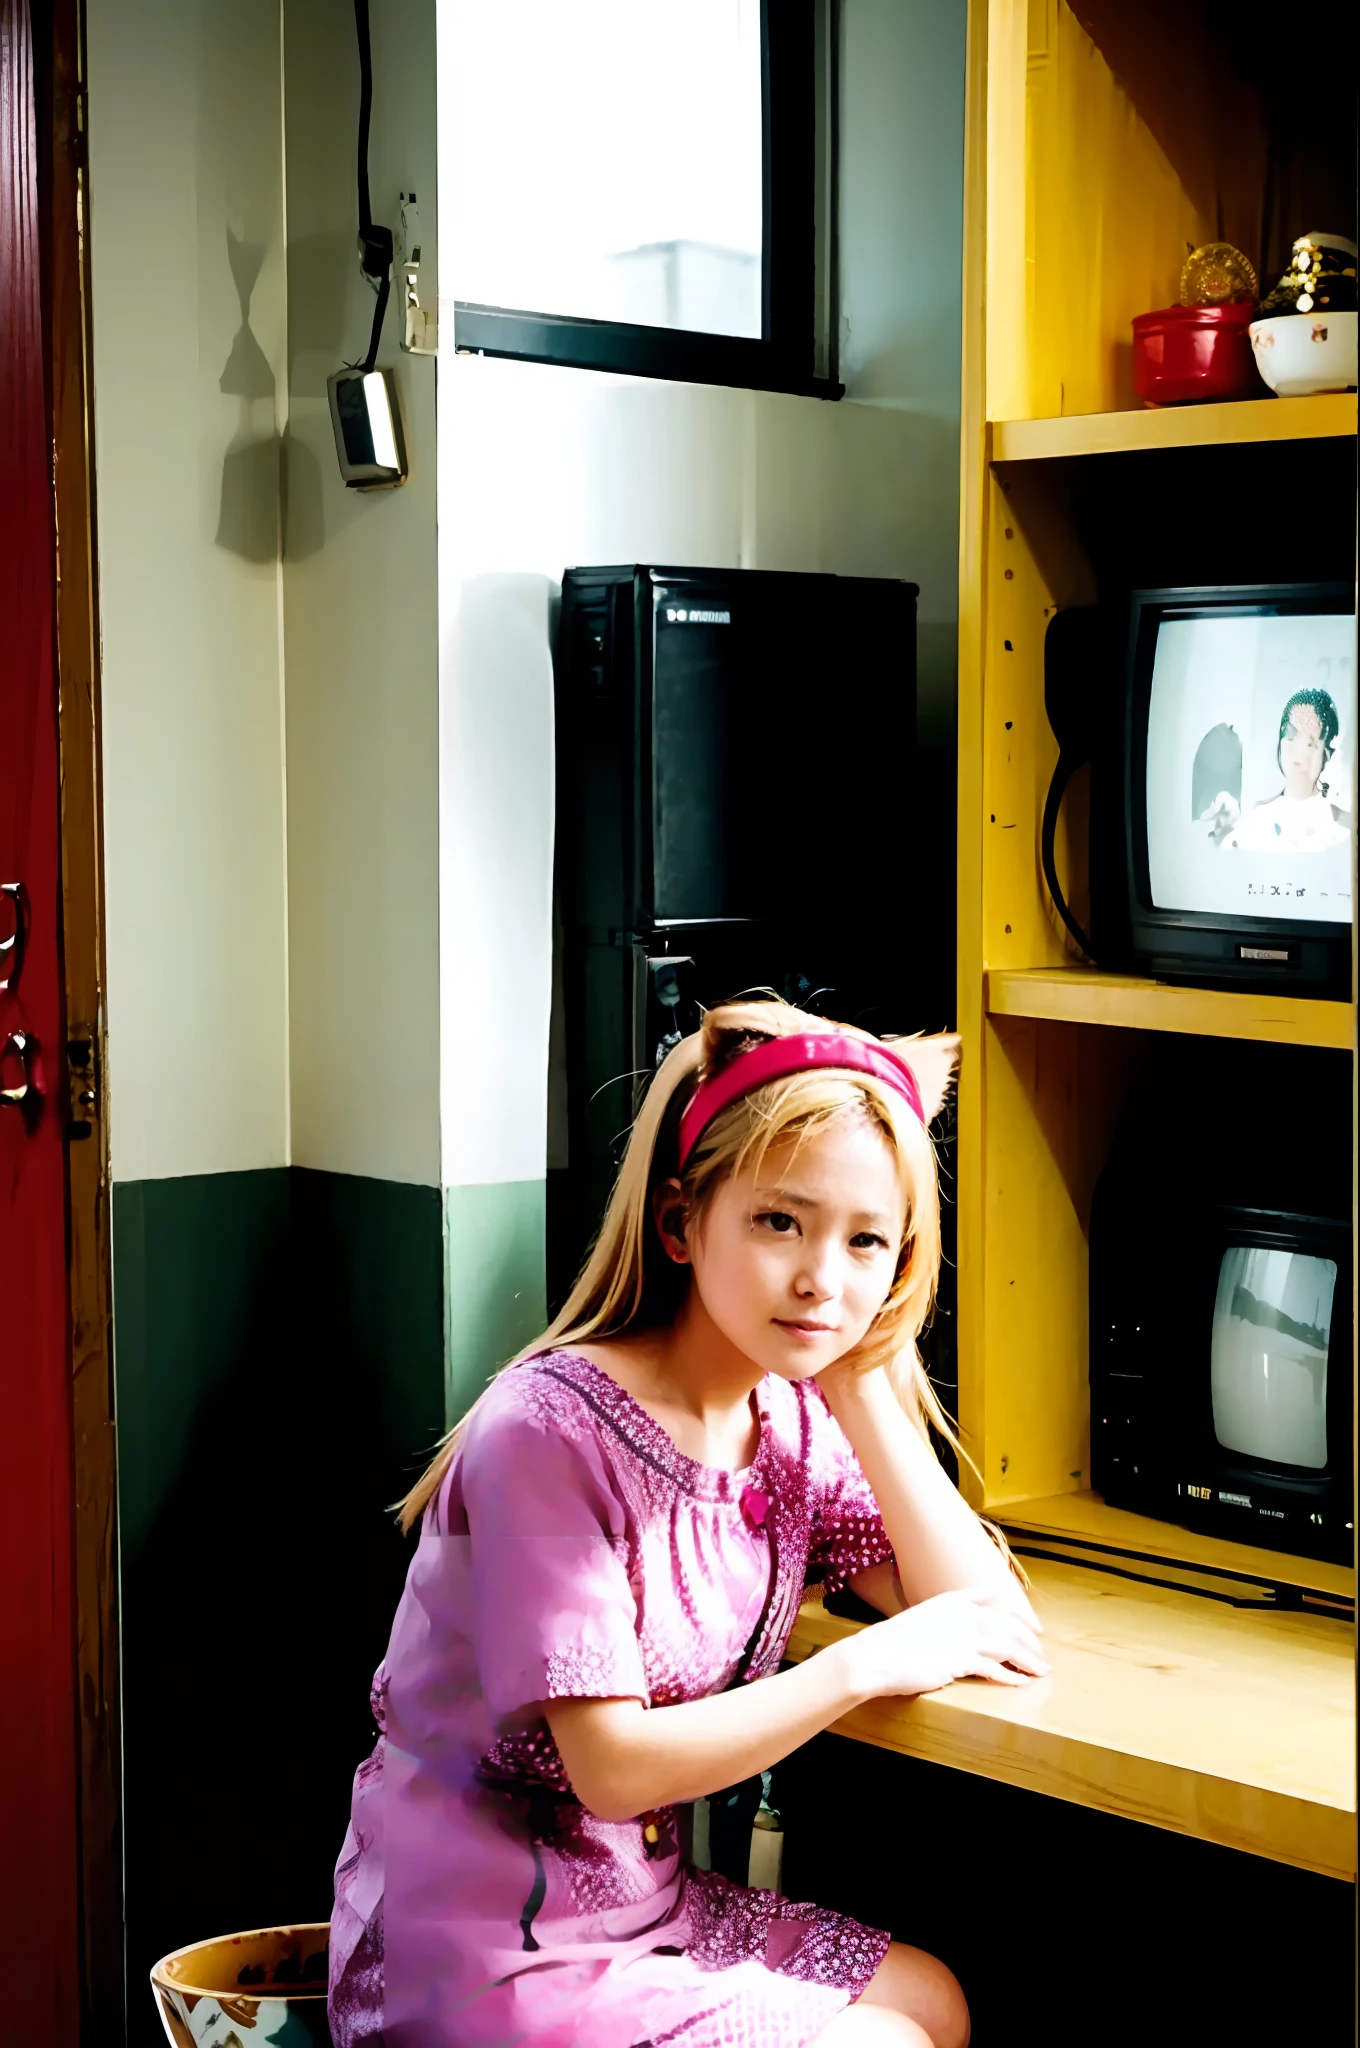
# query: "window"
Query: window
{"points": [[635, 185]]}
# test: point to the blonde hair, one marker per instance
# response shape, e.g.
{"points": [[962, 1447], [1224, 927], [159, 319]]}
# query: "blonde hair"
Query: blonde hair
{"points": [[628, 1282]]}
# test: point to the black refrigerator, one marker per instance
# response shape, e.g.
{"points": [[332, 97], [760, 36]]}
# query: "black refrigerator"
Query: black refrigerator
{"points": [[735, 812]]}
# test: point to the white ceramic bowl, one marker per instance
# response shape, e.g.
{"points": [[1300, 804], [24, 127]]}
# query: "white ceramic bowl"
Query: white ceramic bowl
{"points": [[1299, 353]]}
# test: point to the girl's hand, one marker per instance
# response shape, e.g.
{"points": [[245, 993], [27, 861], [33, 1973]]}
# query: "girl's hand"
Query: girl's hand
{"points": [[973, 1634], [845, 1372], [1011, 1594]]}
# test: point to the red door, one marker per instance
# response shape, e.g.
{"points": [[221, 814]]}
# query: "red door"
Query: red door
{"points": [[39, 2002]]}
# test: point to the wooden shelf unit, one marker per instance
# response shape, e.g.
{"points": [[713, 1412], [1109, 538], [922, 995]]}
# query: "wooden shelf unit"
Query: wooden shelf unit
{"points": [[1091, 162], [1089, 167]]}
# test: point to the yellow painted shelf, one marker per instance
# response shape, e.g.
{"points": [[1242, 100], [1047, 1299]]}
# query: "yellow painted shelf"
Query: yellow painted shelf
{"points": [[1235, 1727], [1085, 995], [1328, 416], [1214, 1705], [1085, 1518]]}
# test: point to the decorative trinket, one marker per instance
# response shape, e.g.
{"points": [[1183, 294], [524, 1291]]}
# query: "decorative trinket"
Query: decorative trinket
{"points": [[1217, 274], [1320, 278]]}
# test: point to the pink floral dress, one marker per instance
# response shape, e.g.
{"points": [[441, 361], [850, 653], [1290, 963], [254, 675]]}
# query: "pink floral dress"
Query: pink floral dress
{"points": [[574, 1552]]}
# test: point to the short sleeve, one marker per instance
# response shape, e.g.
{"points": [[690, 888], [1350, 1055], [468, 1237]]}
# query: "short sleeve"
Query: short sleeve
{"points": [[848, 1535], [553, 1613]]}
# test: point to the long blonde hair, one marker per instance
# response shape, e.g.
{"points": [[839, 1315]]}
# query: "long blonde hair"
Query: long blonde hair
{"points": [[627, 1282]]}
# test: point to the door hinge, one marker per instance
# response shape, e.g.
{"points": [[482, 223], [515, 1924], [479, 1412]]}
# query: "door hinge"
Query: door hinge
{"points": [[82, 1073]]}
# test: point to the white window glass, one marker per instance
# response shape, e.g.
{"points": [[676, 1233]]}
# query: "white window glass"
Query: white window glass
{"points": [[608, 159], [1272, 1327]]}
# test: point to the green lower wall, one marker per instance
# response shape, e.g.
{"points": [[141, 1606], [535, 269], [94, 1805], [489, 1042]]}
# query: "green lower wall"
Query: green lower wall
{"points": [[279, 1359], [494, 1292]]}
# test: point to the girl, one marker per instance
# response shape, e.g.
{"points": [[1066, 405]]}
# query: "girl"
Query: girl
{"points": [[1303, 818], [613, 1546]]}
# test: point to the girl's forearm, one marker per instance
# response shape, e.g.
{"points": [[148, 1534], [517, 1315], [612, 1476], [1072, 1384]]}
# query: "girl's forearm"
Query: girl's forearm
{"points": [[938, 1541], [624, 1759]]}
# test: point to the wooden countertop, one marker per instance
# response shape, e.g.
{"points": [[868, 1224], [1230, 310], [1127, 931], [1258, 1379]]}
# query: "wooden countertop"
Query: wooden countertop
{"points": [[1234, 1726]]}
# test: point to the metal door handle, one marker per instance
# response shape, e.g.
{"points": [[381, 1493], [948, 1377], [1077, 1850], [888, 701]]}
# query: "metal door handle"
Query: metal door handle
{"points": [[27, 1096], [12, 948]]}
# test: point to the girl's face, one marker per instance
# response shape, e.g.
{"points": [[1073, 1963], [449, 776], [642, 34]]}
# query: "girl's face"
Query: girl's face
{"points": [[793, 1263], [1301, 751]]}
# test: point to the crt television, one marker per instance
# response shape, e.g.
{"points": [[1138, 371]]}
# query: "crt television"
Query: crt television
{"points": [[1222, 814], [1220, 1304]]}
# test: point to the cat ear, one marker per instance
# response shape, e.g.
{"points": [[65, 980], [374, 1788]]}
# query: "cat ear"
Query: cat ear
{"points": [[935, 1063]]}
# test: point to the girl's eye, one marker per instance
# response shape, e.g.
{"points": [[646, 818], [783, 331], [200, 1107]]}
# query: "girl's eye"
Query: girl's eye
{"points": [[868, 1241], [778, 1220]]}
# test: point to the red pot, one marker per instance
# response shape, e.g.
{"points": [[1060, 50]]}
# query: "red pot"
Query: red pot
{"points": [[1185, 354]]}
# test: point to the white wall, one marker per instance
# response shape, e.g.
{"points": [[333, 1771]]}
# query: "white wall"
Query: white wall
{"points": [[187, 181], [901, 203], [901, 311], [360, 613], [418, 698], [542, 468]]}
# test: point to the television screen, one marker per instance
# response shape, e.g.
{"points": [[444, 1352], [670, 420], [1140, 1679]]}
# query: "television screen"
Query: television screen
{"points": [[1251, 764], [1268, 1371]]}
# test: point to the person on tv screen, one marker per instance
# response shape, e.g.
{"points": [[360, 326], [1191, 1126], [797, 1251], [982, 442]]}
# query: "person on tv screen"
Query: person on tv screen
{"points": [[1302, 818]]}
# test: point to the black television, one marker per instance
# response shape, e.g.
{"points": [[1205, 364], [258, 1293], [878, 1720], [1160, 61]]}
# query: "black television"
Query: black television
{"points": [[1223, 785], [1221, 1331]]}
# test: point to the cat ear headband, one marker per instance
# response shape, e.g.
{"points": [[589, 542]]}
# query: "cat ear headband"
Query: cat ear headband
{"points": [[774, 1059]]}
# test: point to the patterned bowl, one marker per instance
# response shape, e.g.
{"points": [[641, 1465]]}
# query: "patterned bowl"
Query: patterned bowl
{"points": [[260, 1990], [1300, 353]]}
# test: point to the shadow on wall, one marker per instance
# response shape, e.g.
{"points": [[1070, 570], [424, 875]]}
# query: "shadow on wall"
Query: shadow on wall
{"points": [[272, 497], [248, 517], [322, 334], [247, 373], [302, 499], [320, 272], [248, 522]]}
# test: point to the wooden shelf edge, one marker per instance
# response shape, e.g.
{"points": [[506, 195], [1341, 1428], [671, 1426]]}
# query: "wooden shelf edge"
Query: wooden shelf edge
{"points": [[1085, 995], [1327, 416], [996, 1733], [1302, 1834]]}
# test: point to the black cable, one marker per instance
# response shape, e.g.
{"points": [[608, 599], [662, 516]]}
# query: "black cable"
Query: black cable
{"points": [[379, 313], [1062, 775], [1291, 1599], [365, 114], [375, 242]]}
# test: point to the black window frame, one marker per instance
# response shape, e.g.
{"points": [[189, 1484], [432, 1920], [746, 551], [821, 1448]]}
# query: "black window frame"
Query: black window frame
{"points": [[797, 44]]}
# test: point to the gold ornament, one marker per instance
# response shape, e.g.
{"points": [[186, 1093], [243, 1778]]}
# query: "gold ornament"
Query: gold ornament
{"points": [[1216, 274]]}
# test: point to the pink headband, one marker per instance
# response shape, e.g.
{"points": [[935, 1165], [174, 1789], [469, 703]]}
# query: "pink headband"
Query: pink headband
{"points": [[776, 1058]]}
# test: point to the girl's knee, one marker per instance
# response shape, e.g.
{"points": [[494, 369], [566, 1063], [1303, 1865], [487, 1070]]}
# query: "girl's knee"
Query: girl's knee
{"points": [[925, 1990]]}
